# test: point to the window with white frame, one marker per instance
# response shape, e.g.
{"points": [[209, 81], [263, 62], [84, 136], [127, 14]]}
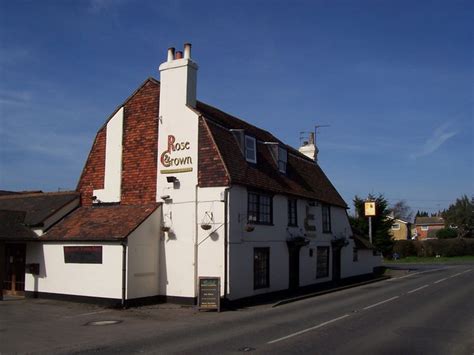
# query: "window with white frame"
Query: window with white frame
{"points": [[250, 149], [396, 226], [424, 228], [282, 159]]}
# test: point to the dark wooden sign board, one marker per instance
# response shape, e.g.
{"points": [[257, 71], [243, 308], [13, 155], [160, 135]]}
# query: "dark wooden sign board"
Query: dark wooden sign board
{"points": [[209, 293]]}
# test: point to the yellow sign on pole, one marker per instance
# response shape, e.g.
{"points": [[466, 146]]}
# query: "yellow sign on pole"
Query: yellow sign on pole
{"points": [[369, 208]]}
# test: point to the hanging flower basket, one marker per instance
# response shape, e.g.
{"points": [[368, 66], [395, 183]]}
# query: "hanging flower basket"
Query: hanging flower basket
{"points": [[249, 227], [207, 220]]}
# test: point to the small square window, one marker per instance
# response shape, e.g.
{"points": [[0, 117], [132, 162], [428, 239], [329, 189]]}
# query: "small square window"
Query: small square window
{"points": [[250, 149], [424, 228], [396, 226]]}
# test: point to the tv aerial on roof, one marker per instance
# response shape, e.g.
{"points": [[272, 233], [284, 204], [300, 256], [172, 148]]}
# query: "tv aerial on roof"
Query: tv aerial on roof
{"points": [[307, 137]]}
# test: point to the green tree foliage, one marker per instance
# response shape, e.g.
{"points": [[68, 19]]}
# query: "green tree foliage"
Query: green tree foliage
{"points": [[381, 224], [446, 233], [421, 214], [461, 215]]}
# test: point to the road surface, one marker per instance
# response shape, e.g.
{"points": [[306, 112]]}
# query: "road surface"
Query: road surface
{"points": [[427, 311]]}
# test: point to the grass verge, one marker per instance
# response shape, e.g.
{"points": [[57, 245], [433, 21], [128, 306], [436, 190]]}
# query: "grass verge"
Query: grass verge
{"points": [[431, 260]]}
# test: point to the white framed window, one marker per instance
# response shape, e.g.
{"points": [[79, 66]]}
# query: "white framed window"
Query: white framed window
{"points": [[250, 149], [396, 226], [424, 228], [282, 159]]}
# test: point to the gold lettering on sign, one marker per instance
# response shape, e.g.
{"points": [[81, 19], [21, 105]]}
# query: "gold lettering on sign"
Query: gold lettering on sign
{"points": [[168, 161]]}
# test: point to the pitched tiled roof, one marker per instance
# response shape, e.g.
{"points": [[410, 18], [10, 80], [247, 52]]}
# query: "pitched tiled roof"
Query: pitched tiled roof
{"points": [[109, 222], [428, 220], [12, 227], [304, 178], [38, 206]]}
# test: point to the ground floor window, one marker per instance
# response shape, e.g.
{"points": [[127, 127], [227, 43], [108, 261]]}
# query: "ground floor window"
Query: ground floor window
{"points": [[355, 254], [83, 255], [261, 268], [322, 262]]}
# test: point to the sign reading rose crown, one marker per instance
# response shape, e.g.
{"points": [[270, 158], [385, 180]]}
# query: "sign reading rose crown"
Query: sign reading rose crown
{"points": [[173, 163]]}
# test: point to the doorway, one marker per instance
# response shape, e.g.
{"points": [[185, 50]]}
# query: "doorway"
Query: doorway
{"points": [[336, 263], [294, 266], [14, 282]]}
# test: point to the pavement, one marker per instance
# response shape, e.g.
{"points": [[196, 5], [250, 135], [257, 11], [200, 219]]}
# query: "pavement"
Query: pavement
{"points": [[425, 310]]}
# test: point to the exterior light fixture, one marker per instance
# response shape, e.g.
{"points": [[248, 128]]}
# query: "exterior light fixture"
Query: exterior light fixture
{"points": [[171, 179]]}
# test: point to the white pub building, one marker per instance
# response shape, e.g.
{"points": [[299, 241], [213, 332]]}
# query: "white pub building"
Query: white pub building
{"points": [[174, 189]]}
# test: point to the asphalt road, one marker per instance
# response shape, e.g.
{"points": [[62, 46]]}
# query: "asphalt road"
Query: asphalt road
{"points": [[427, 311]]}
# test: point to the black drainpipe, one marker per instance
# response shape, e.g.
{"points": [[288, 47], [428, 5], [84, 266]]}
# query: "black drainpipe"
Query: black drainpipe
{"points": [[124, 273]]}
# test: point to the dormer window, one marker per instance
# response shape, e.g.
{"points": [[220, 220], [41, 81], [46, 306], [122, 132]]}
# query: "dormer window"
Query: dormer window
{"points": [[282, 159], [250, 149]]}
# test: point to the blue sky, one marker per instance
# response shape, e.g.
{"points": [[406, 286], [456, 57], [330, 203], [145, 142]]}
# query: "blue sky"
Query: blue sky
{"points": [[393, 79]]}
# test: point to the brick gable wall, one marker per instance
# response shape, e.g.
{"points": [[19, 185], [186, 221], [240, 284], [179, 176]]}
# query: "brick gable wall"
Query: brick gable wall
{"points": [[92, 177], [140, 142], [139, 151], [211, 169]]}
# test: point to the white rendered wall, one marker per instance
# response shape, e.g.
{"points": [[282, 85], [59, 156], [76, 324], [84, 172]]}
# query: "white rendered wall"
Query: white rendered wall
{"points": [[113, 160], [242, 245], [143, 258], [93, 280], [177, 120], [210, 250], [365, 264]]}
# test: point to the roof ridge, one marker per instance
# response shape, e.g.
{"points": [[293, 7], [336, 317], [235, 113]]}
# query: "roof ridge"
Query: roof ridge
{"points": [[237, 119], [38, 194]]}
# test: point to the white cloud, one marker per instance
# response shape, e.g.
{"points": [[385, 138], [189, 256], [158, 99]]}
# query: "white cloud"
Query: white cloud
{"points": [[439, 136]]}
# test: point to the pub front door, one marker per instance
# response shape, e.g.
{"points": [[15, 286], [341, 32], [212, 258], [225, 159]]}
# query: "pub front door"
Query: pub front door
{"points": [[14, 278]]}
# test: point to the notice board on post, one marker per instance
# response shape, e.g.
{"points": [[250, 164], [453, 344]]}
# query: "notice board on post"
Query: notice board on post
{"points": [[209, 293]]}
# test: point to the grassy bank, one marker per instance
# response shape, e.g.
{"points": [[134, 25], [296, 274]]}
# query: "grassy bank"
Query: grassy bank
{"points": [[431, 260]]}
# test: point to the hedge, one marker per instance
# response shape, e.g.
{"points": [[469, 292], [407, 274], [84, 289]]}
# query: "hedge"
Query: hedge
{"points": [[433, 247]]}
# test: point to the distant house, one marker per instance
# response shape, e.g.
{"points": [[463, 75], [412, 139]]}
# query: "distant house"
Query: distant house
{"points": [[426, 227], [401, 229]]}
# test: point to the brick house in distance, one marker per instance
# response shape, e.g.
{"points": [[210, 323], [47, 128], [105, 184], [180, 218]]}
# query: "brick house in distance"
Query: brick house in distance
{"points": [[426, 227], [174, 189]]}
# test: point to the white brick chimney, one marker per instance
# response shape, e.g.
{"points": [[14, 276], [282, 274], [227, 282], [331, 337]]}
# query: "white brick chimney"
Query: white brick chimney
{"points": [[309, 148], [178, 77]]}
